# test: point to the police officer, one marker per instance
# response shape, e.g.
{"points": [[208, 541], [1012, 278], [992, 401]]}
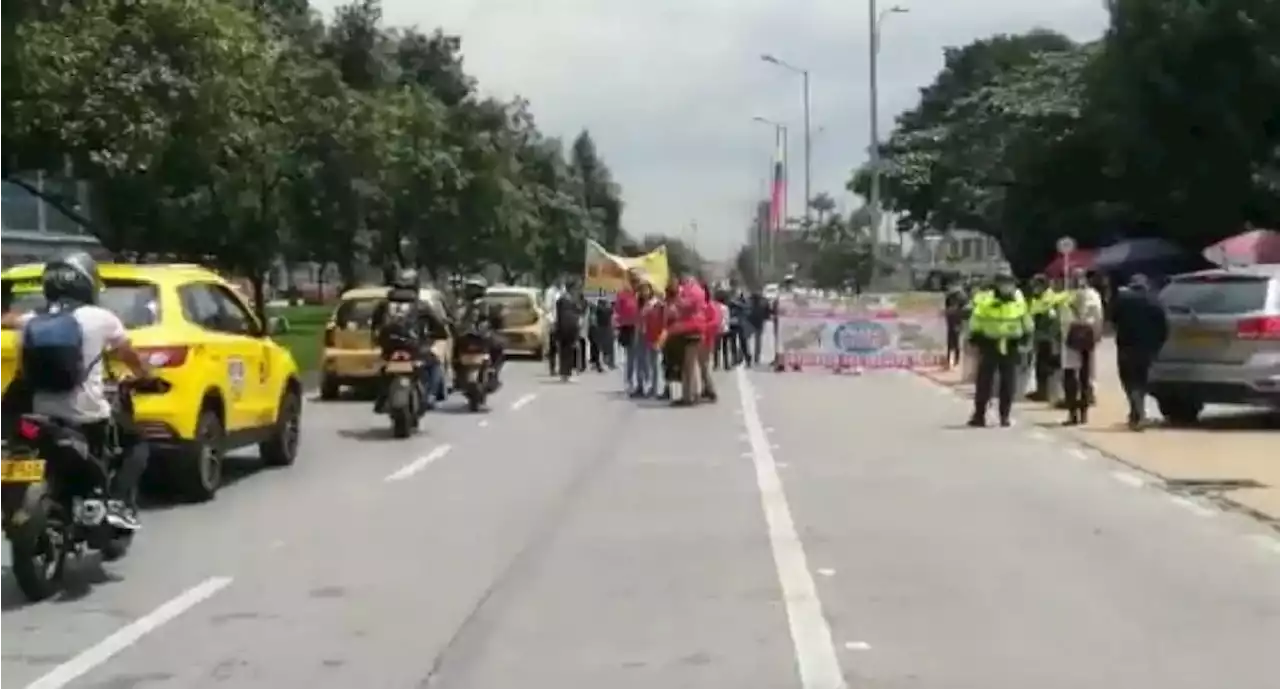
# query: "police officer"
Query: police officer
{"points": [[1044, 304], [998, 327]]}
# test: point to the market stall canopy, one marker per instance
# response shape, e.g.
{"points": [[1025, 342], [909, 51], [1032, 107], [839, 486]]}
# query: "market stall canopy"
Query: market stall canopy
{"points": [[1248, 248], [1139, 254], [1080, 258]]}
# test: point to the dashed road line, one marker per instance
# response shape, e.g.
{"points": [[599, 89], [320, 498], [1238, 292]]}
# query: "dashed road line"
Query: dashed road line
{"points": [[1269, 543], [130, 634], [1128, 479], [1193, 506], [418, 464], [516, 405]]}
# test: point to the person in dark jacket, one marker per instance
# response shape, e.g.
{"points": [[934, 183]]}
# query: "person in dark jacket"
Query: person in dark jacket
{"points": [[601, 337], [568, 330], [759, 310], [1141, 326]]}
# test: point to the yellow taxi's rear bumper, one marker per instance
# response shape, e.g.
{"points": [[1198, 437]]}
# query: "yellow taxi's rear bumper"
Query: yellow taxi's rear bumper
{"points": [[530, 340], [351, 364]]}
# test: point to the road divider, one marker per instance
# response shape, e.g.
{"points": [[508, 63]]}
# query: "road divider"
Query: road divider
{"points": [[419, 464]]}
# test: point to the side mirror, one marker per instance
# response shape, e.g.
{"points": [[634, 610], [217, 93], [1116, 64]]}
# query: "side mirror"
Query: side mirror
{"points": [[277, 325]]}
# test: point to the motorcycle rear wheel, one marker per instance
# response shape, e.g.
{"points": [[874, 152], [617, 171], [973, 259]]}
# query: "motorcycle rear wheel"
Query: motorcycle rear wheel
{"points": [[40, 550]]}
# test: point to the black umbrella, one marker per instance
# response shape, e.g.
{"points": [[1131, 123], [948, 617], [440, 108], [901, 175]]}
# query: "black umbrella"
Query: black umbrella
{"points": [[1131, 253]]}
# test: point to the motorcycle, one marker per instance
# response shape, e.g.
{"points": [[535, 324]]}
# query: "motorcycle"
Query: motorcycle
{"points": [[405, 397], [49, 514], [474, 372]]}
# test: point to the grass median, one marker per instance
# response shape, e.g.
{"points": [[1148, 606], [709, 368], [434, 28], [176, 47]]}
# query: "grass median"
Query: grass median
{"points": [[305, 336]]}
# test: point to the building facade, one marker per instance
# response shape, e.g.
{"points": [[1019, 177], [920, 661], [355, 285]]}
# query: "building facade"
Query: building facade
{"points": [[33, 230]]}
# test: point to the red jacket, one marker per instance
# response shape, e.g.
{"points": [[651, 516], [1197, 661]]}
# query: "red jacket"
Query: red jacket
{"points": [[690, 310], [710, 314], [626, 309], [653, 321]]}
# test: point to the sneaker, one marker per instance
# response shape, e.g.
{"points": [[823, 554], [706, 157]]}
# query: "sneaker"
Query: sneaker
{"points": [[122, 516]]}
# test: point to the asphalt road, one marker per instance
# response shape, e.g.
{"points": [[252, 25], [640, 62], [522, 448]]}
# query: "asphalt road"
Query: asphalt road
{"points": [[810, 531]]}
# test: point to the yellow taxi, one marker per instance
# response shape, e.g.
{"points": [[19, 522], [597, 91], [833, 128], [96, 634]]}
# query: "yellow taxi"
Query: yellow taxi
{"points": [[525, 327], [350, 355], [231, 386]]}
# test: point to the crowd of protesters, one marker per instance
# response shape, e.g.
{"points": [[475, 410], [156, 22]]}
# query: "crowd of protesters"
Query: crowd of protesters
{"points": [[670, 341]]}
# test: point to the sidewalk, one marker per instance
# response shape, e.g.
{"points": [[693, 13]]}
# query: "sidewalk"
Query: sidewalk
{"points": [[1233, 456]]}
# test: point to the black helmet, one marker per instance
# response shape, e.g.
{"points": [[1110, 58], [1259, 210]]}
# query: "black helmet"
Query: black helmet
{"points": [[406, 279], [73, 277]]}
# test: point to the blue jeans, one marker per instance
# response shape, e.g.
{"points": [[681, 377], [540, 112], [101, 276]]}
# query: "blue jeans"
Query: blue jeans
{"points": [[432, 378], [630, 342], [646, 367]]}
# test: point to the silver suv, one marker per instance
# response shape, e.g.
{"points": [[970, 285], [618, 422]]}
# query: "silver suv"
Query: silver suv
{"points": [[1224, 342]]}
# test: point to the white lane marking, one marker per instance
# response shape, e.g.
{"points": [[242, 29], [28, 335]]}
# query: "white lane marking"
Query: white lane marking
{"points": [[483, 423], [826, 571], [810, 634], [781, 465], [1040, 435], [418, 464], [1267, 542], [857, 645], [523, 401], [129, 634], [1077, 453], [1128, 479], [769, 429], [1192, 506]]}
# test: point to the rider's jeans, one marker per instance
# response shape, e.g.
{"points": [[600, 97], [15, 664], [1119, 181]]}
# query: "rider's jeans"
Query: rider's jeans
{"points": [[132, 462], [432, 377]]}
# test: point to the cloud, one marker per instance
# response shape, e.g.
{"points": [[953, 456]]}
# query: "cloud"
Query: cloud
{"points": [[668, 88]]}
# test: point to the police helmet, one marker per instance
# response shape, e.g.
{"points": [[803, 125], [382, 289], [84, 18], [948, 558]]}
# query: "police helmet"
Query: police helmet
{"points": [[73, 277]]}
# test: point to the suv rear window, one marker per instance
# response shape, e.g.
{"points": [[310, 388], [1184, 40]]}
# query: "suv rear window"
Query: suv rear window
{"points": [[1216, 294], [136, 303]]}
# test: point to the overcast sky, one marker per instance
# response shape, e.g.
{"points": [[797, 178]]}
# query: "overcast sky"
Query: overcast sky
{"points": [[668, 87]]}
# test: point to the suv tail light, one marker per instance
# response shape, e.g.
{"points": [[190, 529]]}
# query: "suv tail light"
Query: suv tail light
{"points": [[164, 357], [1261, 328]]}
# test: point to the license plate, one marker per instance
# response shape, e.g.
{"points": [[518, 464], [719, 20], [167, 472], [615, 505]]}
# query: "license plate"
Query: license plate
{"points": [[474, 359], [399, 367], [1199, 339], [21, 470]]}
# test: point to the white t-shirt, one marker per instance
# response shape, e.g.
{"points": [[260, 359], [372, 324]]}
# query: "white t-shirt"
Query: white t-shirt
{"points": [[102, 331]]}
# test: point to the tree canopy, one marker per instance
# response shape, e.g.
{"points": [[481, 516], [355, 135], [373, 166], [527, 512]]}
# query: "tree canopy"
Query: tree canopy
{"points": [[1169, 126], [245, 132]]}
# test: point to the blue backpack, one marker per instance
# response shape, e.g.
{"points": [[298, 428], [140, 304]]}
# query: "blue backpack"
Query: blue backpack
{"points": [[52, 347]]}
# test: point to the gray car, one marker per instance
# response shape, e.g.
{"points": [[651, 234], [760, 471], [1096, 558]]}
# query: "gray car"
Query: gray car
{"points": [[1224, 342]]}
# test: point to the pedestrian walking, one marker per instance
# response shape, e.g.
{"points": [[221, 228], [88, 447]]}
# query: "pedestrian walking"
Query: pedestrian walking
{"points": [[1083, 322], [1141, 326]]}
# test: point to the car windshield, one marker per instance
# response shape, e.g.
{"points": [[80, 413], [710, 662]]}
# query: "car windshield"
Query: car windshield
{"points": [[136, 303], [1216, 294], [518, 310]]}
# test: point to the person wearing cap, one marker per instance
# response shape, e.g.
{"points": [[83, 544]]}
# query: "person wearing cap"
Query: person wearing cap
{"points": [[999, 327]]}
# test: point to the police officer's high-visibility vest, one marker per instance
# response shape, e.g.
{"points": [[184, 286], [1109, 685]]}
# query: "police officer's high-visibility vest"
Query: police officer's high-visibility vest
{"points": [[1001, 321]]}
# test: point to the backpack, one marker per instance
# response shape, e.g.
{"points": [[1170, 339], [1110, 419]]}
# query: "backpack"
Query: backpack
{"points": [[52, 351]]}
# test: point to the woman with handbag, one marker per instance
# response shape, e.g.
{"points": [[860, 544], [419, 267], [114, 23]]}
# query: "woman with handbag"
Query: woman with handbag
{"points": [[1083, 321]]}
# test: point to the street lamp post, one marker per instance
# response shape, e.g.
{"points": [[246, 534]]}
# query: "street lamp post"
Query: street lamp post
{"points": [[875, 18], [808, 138], [780, 137]]}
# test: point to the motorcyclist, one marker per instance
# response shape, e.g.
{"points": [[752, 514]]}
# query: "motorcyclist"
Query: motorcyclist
{"points": [[480, 318], [402, 321], [63, 349]]}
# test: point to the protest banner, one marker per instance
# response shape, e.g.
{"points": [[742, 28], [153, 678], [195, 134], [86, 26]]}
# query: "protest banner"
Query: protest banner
{"points": [[605, 273], [896, 330]]}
